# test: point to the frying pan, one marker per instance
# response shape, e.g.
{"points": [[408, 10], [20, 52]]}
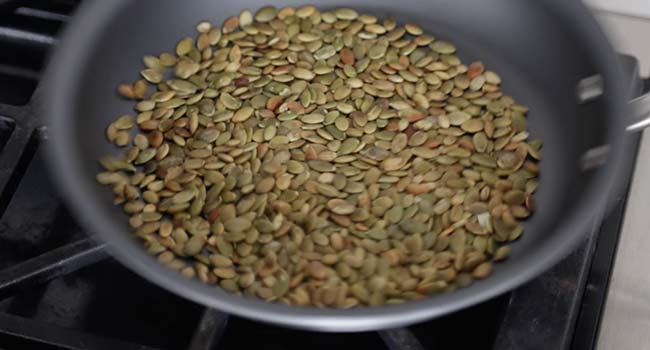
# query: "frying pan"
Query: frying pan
{"points": [[551, 55]]}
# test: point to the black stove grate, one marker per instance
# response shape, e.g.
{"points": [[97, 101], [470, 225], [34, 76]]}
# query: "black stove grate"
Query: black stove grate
{"points": [[59, 289]]}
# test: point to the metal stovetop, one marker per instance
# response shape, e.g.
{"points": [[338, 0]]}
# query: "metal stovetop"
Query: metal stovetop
{"points": [[59, 288]]}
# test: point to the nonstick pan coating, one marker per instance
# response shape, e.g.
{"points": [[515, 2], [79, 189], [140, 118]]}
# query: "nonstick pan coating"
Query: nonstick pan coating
{"points": [[541, 49]]}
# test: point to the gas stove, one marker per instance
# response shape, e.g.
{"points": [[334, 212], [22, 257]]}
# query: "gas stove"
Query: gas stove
{"points": [[59, 289]]}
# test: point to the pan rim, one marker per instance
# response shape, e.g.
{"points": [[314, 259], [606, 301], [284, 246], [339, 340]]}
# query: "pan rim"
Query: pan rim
{"points": [[59, 104]]}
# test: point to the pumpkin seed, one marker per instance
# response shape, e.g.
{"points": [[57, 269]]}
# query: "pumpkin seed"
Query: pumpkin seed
{"points": [[413, 29], [340, 207], [323, 158], [458, 118], [245, 18], [184, 46], [302, 73], [472, 125], [242, 114], [194, 245], [346, 14], [348, 146], [265, 14], [237, 225], [151, 75], [229, 101], [443, 47], [325, 52]]}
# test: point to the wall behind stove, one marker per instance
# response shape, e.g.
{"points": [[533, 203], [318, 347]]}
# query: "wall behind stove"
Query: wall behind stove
{"points": [[628, 29]]}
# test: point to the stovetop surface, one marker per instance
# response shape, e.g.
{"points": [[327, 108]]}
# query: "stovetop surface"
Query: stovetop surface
{"points": [[59, 288]]}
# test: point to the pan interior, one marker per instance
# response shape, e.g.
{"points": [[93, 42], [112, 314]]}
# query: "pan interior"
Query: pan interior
{"points": [[538, 58]]}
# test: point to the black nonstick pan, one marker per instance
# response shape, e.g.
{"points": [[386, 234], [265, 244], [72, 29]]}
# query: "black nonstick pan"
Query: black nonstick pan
{"points": [[551, 55]]}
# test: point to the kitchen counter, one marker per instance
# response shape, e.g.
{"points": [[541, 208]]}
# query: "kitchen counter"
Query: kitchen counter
{"points": [[626, 317]]}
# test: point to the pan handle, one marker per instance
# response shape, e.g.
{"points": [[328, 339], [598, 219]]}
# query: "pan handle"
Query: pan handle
{"points": [[641, 113]]}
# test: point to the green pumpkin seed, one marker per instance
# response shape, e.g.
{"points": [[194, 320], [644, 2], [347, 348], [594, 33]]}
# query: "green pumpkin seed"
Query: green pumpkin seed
{"points": [[346, 14], [458, 118], [472, 125], [194, 245], [443, 47], [313, 118], [348, 146], [321, 166], [184, 46], [302, 73], [237, 225], [124, 122], [309, 157], [341, 207], [182, 86], [265, 14], [184, 69], [325, 52], [151, 75], [229, 101], [242, 114], [412, 226]]}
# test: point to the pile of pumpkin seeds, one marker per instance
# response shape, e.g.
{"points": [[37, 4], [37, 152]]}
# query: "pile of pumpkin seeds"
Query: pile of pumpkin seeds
{"points": [[322, 158]]}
